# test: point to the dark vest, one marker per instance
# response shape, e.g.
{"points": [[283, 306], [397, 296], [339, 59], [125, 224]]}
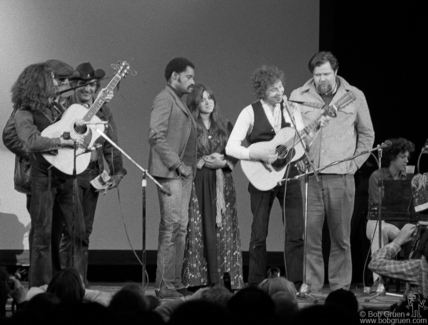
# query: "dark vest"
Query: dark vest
{"points": [[262, 129]]}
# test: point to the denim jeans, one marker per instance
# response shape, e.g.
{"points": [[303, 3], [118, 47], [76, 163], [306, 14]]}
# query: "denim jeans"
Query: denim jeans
{"points": [[174, 216], [332, 198], [261, 205], [51, 210], [88, 197]]}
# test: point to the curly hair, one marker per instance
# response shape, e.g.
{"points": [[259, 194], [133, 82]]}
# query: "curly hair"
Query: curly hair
{"points": [[218, 125], [322, 57], [264, 77], [34, 87], [177, 65], [399, 145]]}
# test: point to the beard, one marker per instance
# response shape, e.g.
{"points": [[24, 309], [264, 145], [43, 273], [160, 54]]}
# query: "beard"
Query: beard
{"points": [[324, 87]]}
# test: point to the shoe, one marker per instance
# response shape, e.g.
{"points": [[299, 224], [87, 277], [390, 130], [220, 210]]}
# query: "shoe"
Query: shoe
{"points": [[185, 292], [165, 293]]}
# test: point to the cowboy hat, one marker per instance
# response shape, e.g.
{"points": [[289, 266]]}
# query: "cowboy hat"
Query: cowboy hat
{"points": [[87, 72]]}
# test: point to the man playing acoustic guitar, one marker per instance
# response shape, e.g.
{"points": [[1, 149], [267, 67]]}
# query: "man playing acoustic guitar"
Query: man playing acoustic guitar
{"points": [[261, 122], [89, 79]]}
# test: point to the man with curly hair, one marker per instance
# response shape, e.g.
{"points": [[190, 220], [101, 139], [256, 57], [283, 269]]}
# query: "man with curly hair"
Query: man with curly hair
{"points": [[331, 195], [33, 97], [394, 164], [258, 122]]}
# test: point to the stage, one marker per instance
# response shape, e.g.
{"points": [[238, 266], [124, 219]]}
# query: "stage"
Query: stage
{"points": [[379, 303]]}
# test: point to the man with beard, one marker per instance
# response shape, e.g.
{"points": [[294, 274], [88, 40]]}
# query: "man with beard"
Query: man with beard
{"points": [[172, 161], [258, 122], [332, 197]]}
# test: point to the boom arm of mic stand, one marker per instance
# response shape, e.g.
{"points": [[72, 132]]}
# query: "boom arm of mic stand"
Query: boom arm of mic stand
{"points": [[301, 141], [334, 163], [163, 189]]}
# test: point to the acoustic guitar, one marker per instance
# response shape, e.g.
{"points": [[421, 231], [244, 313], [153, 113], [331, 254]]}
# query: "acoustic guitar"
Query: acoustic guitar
{"points": [[287, 144], [77, 119]]}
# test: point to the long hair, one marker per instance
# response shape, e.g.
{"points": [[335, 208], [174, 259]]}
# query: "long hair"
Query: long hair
{"points": [[67, 285], [218, 125], [34, 87]]}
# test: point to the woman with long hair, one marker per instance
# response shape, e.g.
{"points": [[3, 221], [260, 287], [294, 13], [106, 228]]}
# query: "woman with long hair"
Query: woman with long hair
{"points": [[213, 244]]}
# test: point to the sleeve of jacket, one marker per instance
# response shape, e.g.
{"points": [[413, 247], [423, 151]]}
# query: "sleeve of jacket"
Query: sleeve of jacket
{"points": [[159, 121], [364, 129], [112, 155], [30, 136], [10, 138]]}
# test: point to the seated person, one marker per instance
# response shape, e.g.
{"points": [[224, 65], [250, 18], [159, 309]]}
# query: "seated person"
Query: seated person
{"points": [[394, 164], [415, 270]]}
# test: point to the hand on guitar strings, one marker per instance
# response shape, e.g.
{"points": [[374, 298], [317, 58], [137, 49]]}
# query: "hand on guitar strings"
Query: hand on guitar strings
{"points": [[69, 142], [267, 154]]}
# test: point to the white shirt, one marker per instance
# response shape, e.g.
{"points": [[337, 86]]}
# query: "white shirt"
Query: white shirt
{"points": [[245, 122]]}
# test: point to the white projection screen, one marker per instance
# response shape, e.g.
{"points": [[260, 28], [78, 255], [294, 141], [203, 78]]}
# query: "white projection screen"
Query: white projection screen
{"points": [[225, 39]]}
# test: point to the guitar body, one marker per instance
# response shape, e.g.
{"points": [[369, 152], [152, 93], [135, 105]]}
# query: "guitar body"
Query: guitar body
{"points": [[64, 160], [265, 176]]}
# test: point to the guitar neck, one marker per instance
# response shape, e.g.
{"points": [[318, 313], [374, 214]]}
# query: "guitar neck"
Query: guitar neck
{"points": [[311, 126], [95, 107]]}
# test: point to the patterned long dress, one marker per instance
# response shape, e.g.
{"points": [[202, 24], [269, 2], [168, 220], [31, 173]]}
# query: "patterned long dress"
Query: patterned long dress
{"points": [[211, 250]]}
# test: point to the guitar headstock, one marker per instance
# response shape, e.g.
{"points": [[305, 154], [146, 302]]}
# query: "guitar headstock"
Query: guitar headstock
{"points": [[123, 68]]}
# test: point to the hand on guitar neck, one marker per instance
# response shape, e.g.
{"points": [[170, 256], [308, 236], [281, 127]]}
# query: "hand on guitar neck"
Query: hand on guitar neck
{"points": [[265, 154]]}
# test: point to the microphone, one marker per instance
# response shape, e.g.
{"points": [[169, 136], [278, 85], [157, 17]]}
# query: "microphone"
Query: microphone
{"points": [[385, 145], [425, 147]]}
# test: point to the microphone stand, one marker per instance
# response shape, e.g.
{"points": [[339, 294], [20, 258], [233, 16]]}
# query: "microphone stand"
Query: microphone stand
{"points": [[304, 290], [144, 185], [334, 163], [380, 290]]}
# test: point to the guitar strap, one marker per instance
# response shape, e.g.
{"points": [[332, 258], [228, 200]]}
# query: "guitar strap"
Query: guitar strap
{"points": [[343, 101]]}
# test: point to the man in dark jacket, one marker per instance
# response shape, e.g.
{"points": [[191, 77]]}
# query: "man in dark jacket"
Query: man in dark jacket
{"points": [[89, 79], [49, 190]]}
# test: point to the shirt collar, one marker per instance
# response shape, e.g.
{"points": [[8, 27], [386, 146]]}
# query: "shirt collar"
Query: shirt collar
{"points": [[387, 173], [178, 93]]}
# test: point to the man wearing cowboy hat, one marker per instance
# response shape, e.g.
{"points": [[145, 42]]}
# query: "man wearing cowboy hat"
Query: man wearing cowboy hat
{"points": [[89, 79]]}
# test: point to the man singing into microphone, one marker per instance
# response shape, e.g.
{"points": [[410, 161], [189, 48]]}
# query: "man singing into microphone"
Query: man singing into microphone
{"points": [[89, 79], [258, 122], [350, 133]]}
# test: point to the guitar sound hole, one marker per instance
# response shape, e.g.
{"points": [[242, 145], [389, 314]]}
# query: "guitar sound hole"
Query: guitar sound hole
{"points": [[80, 128], [282, 152]]}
